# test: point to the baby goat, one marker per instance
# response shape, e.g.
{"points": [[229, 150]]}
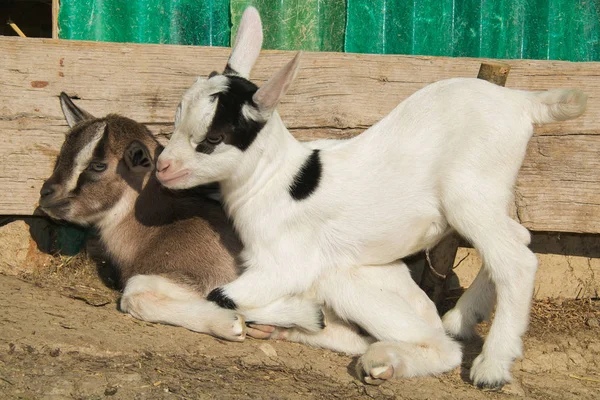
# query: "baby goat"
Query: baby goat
{"points": [[170, 248], [445, 159]]}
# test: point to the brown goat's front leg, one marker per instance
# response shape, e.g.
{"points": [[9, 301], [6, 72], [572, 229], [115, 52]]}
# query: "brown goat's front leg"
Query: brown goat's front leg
{"points": [[154, 298]]}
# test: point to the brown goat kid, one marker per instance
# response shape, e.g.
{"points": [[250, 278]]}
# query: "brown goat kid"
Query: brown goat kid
{"points": [[170, 248]]}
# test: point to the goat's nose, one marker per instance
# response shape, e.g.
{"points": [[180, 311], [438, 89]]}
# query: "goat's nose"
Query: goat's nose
{"points": [[47, 189], [162, 165]]}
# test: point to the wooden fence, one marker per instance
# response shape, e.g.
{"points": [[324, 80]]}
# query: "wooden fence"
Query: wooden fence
{"points": [[335, 95]]}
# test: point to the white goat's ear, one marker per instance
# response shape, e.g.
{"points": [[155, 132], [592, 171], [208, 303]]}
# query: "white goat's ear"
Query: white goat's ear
{"points": [[269, 94], [248, 43], [137, 158], [72, 113]]}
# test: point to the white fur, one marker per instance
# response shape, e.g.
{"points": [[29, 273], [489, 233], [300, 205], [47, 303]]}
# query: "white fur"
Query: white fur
{"points": [[248, 41], [157, 299], [445, 158], [83, 158]]}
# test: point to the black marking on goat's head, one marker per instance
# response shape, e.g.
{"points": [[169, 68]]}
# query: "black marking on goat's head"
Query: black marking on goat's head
{"points": [[218, 296], [229, 124], [307, 178], [229, 71]]}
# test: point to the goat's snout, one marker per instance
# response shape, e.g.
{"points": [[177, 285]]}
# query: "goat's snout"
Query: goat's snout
{"points": [[48, 189], [169, 171], [163, 165]]}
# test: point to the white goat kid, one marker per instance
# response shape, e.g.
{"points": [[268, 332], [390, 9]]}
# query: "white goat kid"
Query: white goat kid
{"points": [[428, 351], [444, 159]]}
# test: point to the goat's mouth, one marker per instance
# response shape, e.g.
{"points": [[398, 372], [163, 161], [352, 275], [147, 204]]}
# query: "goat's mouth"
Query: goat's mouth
{"points": [[55, 209], [169, 179]]}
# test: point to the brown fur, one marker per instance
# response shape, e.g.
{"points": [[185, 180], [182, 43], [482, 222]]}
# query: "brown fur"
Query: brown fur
{"points": [[185, 237]]}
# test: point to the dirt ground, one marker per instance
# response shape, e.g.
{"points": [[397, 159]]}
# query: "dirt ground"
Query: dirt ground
{"points": [[61, 337]]}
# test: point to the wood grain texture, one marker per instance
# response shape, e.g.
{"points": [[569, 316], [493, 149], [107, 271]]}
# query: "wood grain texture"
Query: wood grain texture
{"points": [[335, 95]]}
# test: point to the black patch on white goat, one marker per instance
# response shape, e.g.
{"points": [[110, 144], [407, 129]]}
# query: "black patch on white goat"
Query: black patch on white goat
{"points": [[229, 71], [217, 296], [307, 179], [229, 124]]}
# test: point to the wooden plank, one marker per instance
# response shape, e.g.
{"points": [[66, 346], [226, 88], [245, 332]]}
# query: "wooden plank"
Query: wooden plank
{"points": [[335, 95], [55, 9], [559, 184]]}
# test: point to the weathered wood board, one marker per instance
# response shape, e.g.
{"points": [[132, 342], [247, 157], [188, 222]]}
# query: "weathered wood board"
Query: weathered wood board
{"points": [[335, 95]]}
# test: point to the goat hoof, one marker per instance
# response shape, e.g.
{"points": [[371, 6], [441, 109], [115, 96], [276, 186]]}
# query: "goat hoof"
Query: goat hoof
{"points": [[489, 374], [258, 331], [231, 329], [377, 365], [379, 375]]}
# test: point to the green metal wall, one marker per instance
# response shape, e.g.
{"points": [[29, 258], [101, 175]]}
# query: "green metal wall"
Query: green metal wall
{"points": [[198, 22], [537, 29], [314, 25]]}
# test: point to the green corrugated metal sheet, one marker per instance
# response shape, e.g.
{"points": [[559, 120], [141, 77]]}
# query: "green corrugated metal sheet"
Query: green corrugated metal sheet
{"points": [[315, 25], [537, 29], [198, 22]]}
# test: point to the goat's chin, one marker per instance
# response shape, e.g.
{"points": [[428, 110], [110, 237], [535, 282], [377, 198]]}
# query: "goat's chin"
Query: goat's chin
{"points": [[58, 214], [184, 182]]}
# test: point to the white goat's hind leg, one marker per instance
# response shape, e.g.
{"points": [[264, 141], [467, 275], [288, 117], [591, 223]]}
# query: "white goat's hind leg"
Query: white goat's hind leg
{"points": [[155, 298], [474, 306], [387, 303], [384, 300], [511, 267], [430, 356], [477, 303]]}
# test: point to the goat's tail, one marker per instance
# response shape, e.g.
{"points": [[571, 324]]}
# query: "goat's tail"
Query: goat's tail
{"points": [[558, 105]]}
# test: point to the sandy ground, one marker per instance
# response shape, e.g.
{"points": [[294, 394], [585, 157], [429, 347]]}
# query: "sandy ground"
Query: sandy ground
{"points": [[61, 337]]}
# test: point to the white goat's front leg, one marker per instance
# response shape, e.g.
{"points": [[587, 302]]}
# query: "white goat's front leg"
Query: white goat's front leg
{"points": [[265, 284], [289, 312], [154, 298], [337, 335], [388, 304]]}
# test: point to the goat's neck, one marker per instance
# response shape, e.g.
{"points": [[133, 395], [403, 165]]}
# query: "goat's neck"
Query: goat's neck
{"points": [[121, 221], [267, 168]]}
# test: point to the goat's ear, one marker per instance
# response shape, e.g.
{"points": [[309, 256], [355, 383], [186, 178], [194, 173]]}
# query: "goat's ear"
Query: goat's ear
{"points": [[72, 113], [248, 43], [137, 157], [269, 94]]}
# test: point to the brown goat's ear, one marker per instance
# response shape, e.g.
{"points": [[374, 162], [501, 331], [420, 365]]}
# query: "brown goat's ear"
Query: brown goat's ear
{"points": [[72, 113], [137, 157]]}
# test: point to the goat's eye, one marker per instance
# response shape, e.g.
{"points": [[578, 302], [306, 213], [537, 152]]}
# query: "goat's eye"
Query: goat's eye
{"points": [[214, 139], [97, 167]]}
